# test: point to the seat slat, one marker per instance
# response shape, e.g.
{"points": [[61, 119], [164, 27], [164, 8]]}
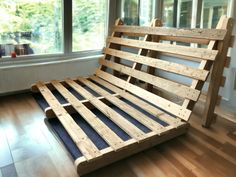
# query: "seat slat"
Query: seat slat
{"points": [[139, 116], [106, 133], [170, 86], [168, 106], [210, 34], [82, 141], [123, 123], [160, 64], [133, 99], [200, 53]]}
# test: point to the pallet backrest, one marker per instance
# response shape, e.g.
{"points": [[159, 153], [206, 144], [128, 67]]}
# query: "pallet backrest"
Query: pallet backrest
{"points": [[133, 54]]}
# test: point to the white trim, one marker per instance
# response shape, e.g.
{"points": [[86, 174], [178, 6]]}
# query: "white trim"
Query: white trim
{"points": [[50, 61], [42, 59], [67, 52], [194, 14]]}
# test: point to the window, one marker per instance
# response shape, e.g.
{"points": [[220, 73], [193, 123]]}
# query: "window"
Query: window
{"points": [[212, 11], [168, 13], [89, 24], [185, 14], [138, 12], [31, 27]]}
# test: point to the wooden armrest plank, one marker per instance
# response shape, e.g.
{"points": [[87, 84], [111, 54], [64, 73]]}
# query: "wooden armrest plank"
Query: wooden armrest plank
{"points": [[105, 132], [139, 116], [200, 53], [133, 99], [168, 106], [119, 120], [164, 84], [82, 141]]}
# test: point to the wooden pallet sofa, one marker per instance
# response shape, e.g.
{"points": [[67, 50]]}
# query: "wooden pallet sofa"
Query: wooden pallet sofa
{"points": [[118, 104]]}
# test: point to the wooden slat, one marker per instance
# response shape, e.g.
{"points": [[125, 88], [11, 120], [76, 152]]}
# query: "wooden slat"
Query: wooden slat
{"points": [[185, 40], [172, 38], [106, 133], [139, 116], [86, 146], [123, 123], [201, 53], [50, 114], [210, 34], [170, 86], [160, 64], [144, 105], [152, 98]]}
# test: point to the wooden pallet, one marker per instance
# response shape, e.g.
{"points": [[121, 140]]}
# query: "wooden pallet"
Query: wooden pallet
{"points": [[116, 80]]}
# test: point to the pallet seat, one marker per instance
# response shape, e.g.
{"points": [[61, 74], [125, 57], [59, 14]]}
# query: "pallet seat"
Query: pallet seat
{"points": [[118, 105]]}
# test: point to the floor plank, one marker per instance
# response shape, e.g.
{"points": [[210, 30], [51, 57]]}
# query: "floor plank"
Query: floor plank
{"points": [[9, 171], [33, 167], [5, 153], [36, 152]]}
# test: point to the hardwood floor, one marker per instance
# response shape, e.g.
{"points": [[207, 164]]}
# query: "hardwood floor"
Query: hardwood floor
{"points": [[28, 149]]}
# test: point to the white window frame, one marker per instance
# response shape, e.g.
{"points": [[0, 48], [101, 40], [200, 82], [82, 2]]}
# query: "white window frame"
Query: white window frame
{"points": [[67, 52]]}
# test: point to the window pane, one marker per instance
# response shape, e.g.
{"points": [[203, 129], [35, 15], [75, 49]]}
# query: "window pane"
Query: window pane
{"points": [[138, 12], [168, 13], [130, 12], [212, 11], [147, 12], [89, 24], [30, 27], [185, 14]]}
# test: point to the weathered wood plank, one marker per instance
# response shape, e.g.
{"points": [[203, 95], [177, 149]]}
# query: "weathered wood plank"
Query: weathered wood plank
{"points": [[123, 123], [210, 34], [200, 53], [106, 133], [172, 38], [50, 114], [160, 64], [161, 83], [168, 106], [139, 102], [139, 116], [82, 141], [217, 72]]}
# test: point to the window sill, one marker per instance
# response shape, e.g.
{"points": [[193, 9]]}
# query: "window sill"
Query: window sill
{"points": [[39, 60]]}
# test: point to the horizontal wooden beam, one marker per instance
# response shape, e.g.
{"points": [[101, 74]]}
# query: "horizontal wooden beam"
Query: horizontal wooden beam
{"points": [[210, 34], [161, 83], [160, 64], [162, 103], [200, 53], [172, 38], [68, 107]]}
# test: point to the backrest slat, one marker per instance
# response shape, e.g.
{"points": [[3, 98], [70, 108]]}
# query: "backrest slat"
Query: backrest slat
{"points": [[165, 84], [199, 53], [210, 34], [151, 62], [160, 64]]}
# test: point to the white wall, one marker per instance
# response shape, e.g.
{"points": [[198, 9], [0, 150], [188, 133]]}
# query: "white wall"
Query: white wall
{"points": [[20, 78]]}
